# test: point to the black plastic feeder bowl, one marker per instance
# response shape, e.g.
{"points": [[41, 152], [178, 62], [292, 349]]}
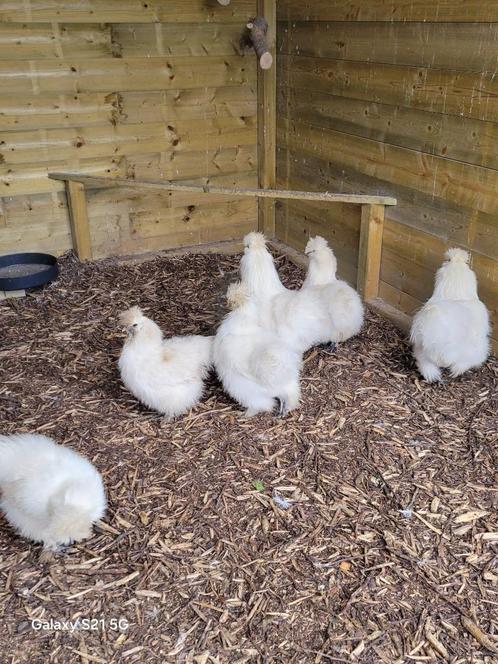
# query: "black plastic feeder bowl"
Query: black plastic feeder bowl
{"points": [[21, 271]]}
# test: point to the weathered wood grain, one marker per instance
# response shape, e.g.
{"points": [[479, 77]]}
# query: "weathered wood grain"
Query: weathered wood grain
{"points": [[158, 185], [451, 136], [131, 40], [389, 10], [124, 11], [54, 111], [370, 251], [267, 121], [78, 216], [190, 104], [124, 139], [469, 186], [466, 94], [28, 41], [451, 46], [119, 74], [436, 216]]}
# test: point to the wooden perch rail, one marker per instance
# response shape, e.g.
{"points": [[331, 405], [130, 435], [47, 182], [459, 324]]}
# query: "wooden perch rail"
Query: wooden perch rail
{"points": [[371, 229], [100, 181], [258, 29]]}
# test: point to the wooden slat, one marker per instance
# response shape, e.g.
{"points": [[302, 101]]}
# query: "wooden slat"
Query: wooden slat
{"points": [[54, 111], [191, 104], [338, 223], [259, 193], [78, 215], [33, 178], [432, 45], [267, 122], [372, 228], [131, 40], [389, 10], [466, 94], [424, 254], [124, 11], [96, 142], [148, 223], [451, 136], [32, 41], [423, 211], [467, 185], [234, 162], [295, 240], [119, 74]]}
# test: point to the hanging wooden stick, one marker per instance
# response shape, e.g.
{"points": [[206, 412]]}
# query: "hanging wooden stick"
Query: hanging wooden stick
{"points": [[258, 28]]}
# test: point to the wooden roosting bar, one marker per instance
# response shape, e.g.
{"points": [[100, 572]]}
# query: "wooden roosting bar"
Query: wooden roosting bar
{"points": [[372, 214]]}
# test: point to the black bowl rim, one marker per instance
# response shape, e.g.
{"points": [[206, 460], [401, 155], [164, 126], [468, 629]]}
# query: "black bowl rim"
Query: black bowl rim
{"points": [[29, 281]]}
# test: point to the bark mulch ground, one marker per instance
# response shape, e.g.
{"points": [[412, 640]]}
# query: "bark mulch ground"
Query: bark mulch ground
{"points": [[360, 528]]}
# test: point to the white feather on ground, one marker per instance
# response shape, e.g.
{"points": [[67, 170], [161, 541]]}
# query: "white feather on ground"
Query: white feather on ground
{"points": [[166, 375], [452, 329], [50, 493], [254, 365]]}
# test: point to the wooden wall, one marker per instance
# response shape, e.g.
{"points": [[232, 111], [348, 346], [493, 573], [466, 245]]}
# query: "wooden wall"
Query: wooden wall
{"points": [[156, 89], [401, 98]]}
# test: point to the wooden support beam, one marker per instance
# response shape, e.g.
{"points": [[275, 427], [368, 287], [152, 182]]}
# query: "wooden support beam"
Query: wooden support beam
{"points": [[267, 122], [372, 228], [78, 216], [102, 181]]}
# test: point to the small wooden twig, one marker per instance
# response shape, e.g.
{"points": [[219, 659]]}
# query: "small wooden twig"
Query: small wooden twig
{"points": [[258, 29]]}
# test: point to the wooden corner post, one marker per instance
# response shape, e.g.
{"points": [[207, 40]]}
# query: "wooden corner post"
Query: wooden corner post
{"points": [[372, 228], [267, 122], [78, 216]]}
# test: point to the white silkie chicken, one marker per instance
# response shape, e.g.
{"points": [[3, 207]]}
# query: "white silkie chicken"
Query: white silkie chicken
{"points": [[50, 493], [337, 300], [452, 329], [324, 311], [257, 269], [166, 375], [254, 365]]}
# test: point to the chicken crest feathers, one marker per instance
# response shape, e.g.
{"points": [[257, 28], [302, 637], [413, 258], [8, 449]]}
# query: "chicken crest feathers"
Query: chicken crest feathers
{"points": [[255, 240], [457, 255], [130, 316], [315, 243]]}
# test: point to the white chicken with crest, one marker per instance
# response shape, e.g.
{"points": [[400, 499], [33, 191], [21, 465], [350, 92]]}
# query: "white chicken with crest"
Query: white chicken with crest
{"points": [[451, 331], [166, 375], [257, 369], [324, 311]]}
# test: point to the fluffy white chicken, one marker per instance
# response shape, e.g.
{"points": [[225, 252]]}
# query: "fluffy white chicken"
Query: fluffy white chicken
{"points": [[254, 365], [257, 269], [338, 301], [324, 311], [166, 375], [452, 328], [50, 493]]}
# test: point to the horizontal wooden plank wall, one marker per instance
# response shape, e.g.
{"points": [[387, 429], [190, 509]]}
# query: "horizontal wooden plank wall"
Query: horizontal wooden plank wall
{"points": [[149, 90], [397, 98]]}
